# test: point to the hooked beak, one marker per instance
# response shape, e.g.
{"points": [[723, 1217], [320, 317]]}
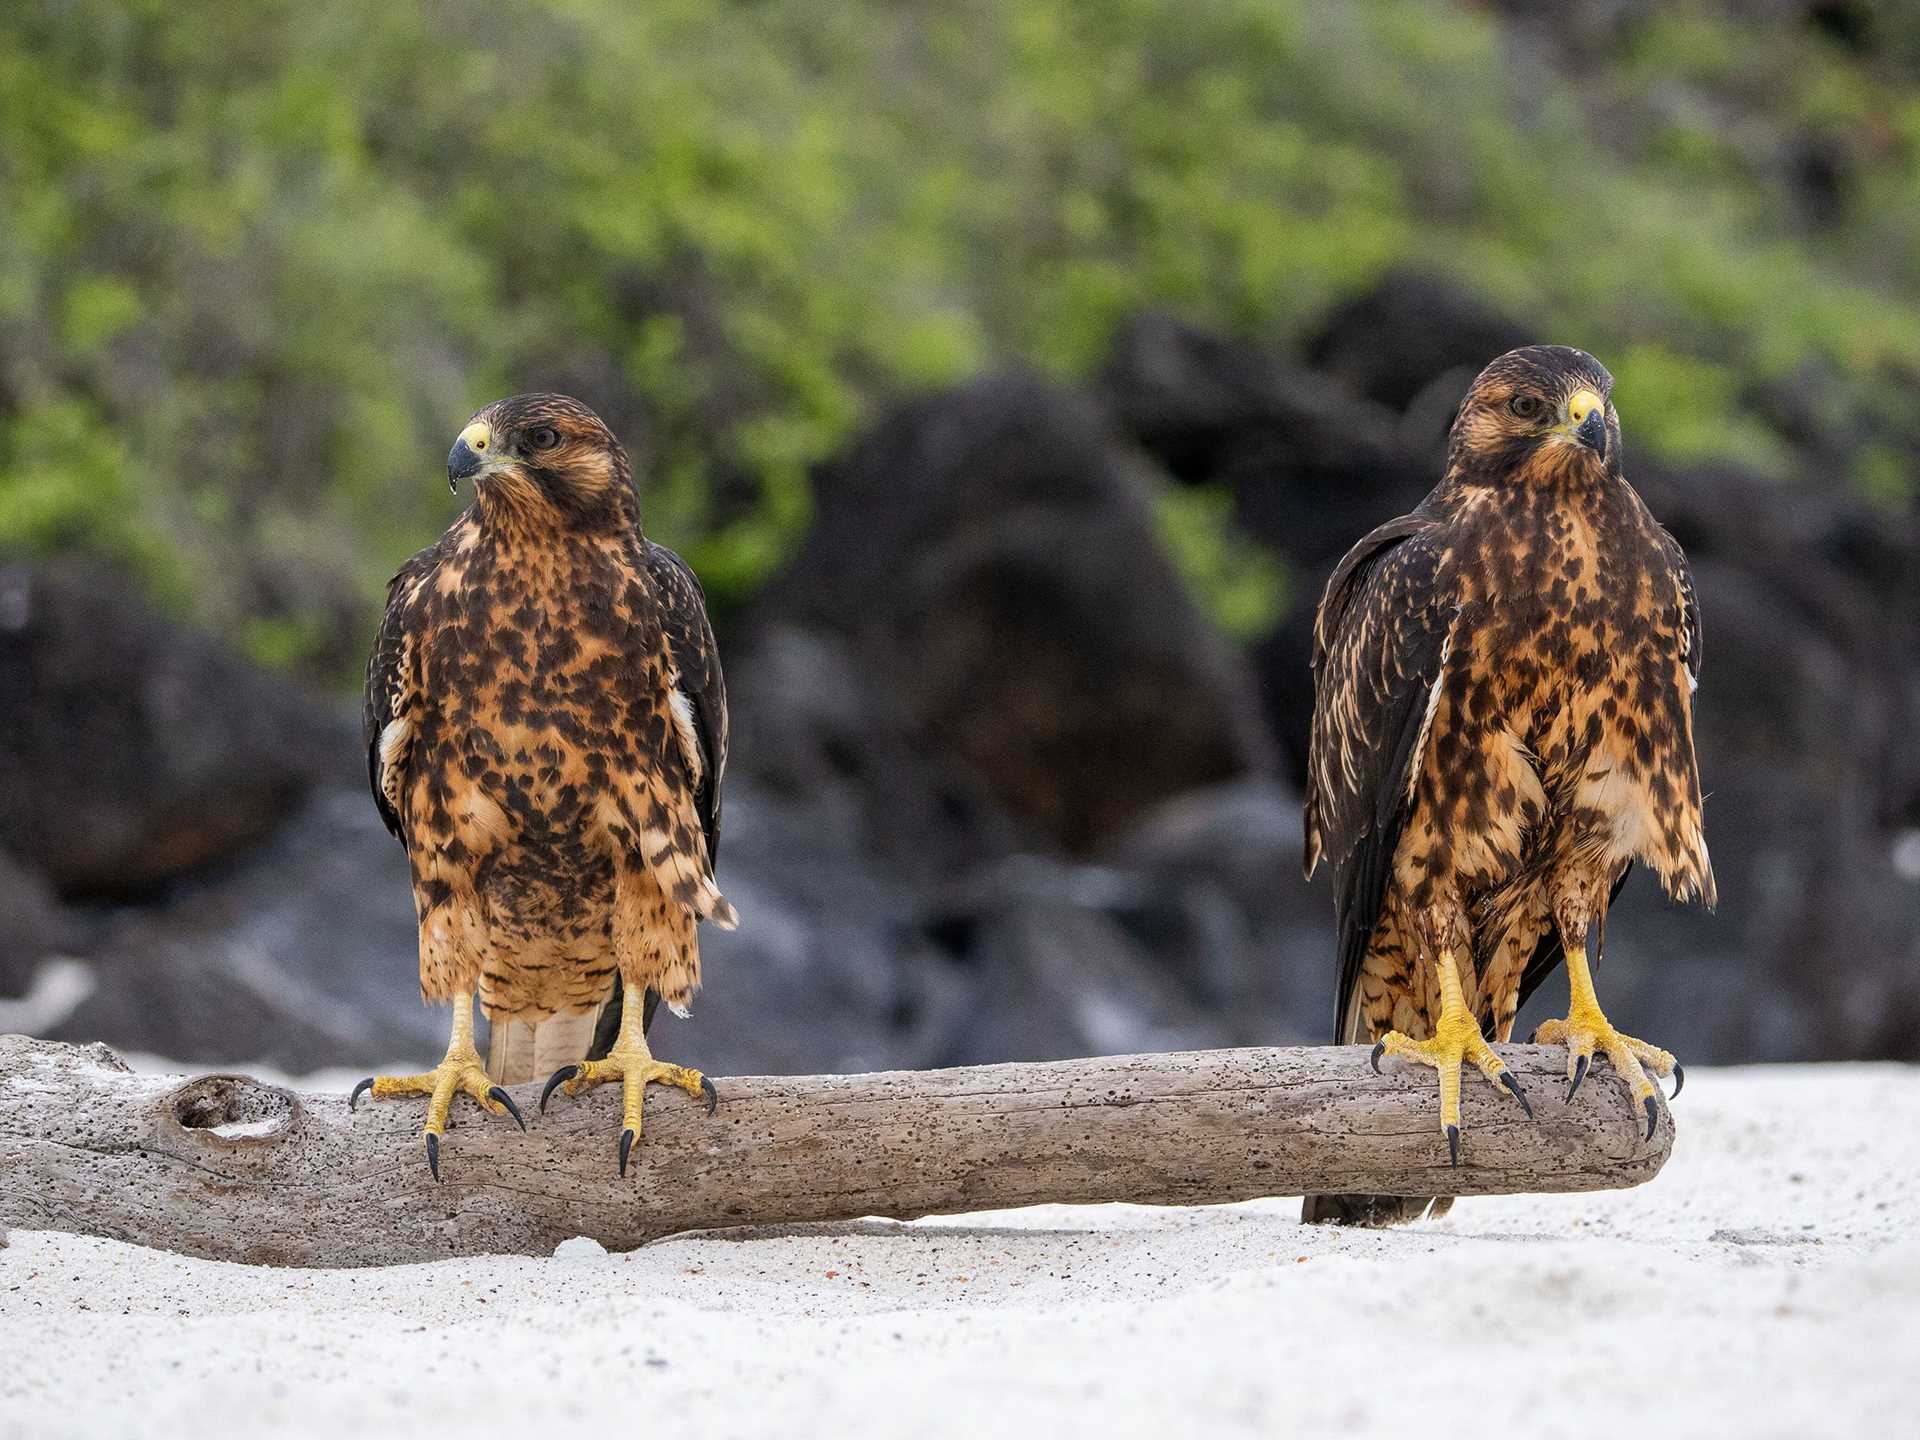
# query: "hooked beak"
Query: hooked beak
{"points": [[1587, 421], [469, 455]]}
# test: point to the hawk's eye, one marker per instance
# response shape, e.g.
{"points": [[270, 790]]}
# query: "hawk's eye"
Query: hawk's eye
{"points": [[543, 437], [1526, 406]]}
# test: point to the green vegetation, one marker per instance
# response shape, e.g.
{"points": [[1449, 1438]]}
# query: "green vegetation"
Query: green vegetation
{"points": [[1246, 587], [258, 259]]}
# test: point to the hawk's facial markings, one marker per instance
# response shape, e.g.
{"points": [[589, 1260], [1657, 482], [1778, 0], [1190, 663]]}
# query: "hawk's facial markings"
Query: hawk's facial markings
{"points": [[576, 467], [548, 461], [1539, 413]]}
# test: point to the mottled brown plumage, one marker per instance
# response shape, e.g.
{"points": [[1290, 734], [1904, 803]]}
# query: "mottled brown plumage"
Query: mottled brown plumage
{"points": [[546, 731], [1502, 725]]}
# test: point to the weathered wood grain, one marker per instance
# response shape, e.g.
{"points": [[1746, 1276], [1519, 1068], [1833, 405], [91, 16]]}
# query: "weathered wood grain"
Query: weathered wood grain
{"points": [[231, 1168]]}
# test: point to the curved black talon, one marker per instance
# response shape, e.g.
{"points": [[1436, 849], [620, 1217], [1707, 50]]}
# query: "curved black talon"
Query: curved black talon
{"points": [[713, 1095], [1579, 1073], [433, 1155], [1679, 1081], [1506, 1079], [507, 1100], [365, 1085], [626, 1144], [1374, 1059], [1453, 1144], [559, 1077], [1653, 1115]]}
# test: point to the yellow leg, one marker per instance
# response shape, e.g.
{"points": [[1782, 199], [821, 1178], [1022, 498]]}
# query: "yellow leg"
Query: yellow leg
{"points": [[1456, 1038], [1587, 1029], [632, 1064], [460, 1073]]}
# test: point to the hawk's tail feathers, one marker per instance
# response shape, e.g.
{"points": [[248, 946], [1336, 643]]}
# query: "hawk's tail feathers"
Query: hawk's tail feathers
{"points": [[722, 914], [523, 1050], [710, 905], [1374, 1212], [684, 876]]}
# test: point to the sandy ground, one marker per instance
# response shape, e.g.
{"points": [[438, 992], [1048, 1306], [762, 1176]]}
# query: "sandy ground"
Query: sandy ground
{"points": [[1768, 1283]]}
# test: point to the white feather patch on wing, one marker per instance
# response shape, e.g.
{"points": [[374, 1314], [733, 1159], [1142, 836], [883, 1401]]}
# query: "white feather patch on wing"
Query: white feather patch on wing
{"points": [[683, 725], [1426, 721], [394, 740]]}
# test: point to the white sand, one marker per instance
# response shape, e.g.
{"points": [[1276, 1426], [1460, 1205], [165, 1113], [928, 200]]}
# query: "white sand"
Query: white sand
{"points": [[1768, 1283]]}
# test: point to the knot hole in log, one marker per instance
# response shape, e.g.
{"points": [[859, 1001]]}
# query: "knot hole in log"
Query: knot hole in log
{"points": [[232, 1110]]}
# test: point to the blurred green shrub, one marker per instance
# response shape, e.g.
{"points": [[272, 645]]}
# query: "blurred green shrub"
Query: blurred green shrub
{"points": [[1244, 586]]}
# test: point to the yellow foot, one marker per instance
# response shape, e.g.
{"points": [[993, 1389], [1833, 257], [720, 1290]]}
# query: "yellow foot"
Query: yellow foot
{"points": [[1456, 1039], [1587, 1030], [461, 1073], [635, 1068]]}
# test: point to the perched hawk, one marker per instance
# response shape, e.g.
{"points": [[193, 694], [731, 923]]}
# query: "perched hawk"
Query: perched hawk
{"points": [[1502, 726], [546, 730]]}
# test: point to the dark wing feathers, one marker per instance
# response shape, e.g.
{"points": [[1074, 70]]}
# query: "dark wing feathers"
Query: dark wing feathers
{"points": [[683, 615], [1379, 648], [1690, 603], [387, 679]]}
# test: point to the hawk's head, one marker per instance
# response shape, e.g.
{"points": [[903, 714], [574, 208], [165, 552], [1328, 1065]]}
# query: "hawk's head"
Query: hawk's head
{"points": [[1538, 413], [546, 455]]}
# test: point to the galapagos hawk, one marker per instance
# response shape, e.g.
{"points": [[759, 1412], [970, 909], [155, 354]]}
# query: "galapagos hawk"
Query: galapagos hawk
{"points": [[1502, 727], [546, 731]]}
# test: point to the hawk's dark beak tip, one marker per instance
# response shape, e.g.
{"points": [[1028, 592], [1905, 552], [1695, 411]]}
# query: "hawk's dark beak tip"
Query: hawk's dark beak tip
{"points": [[463, 463], [1593, 433]]}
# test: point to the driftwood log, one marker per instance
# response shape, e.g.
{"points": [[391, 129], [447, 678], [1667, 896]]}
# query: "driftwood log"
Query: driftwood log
{"points": [[228, 1167]]}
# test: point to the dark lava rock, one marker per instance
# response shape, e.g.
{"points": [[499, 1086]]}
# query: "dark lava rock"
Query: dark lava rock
{"points": [[832, 968], [34, 927], [303, 954], [1307, 462], [135, 749], [1310, 469], [895, 915], [816, 727], [1217, 897], [1412, 336], [1192, 931], [991, 553]]}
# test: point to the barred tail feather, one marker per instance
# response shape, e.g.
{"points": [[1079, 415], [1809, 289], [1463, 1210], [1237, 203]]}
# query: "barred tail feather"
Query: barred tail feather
{"points": [[523, 1050], [682, 875]]}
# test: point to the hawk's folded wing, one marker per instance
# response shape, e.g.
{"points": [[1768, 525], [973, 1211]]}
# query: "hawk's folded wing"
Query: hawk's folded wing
{"points": [[387, 705], [1380, 649], [696, 659]]}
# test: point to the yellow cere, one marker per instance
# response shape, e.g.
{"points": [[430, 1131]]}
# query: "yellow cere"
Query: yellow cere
{"points": [[1583, 404], [478, 436]]}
